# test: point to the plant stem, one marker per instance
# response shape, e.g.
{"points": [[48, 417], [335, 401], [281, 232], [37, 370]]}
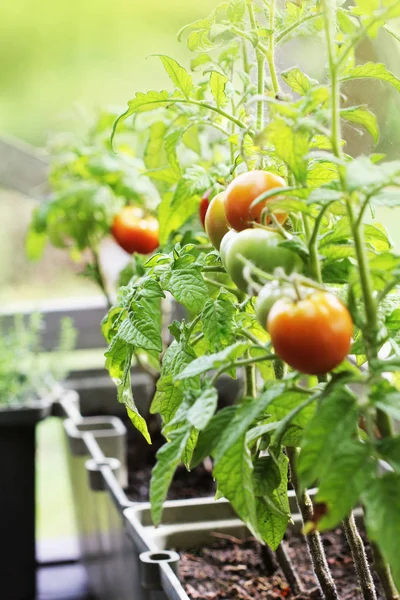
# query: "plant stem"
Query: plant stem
{"points": [[260, 90], [371, 328], [289, 29], [269, 561], [271, 50], [383, 571], [251, 388], [315, 265], [360, 558], [288, 570], [100, 277], [313, 539]]}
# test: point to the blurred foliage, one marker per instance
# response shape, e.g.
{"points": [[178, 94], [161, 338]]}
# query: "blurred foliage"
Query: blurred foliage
{"points": [[25, 371], [57, 54]]}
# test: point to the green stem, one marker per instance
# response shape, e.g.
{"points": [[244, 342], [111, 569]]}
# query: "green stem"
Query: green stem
{"points": [[246, 64], [383, 571], [271, 51], [219, 285], [100, 277], [251, 388], [360, 559], [252, 16], [313, 539], [252, 338], [260, 90], [289, 570], [289, 29], [315, 265]]}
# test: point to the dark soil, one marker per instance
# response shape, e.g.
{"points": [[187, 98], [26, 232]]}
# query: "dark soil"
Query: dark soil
{"points": [[142, 458], [232, 569]]}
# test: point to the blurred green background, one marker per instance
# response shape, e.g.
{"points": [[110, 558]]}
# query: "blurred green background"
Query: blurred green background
{"points": [[57, 55]]}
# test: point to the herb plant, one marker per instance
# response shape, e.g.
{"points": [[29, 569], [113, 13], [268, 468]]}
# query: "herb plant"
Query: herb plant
{"points": [[26, 371]]}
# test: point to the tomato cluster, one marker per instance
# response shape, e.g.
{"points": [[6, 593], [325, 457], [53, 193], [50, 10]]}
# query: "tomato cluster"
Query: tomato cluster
{"points": [[312, 333]]}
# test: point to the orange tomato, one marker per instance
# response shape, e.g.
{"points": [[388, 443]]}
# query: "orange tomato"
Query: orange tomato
{"points": [[313, 335], [215, 223], [135, 232], [243, 190]]}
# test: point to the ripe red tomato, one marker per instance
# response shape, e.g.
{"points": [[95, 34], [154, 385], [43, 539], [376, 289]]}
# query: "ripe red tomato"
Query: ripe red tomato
{"points": [[243, 191], [216, 225], [204, 204], [135, 232], [312, 335]]}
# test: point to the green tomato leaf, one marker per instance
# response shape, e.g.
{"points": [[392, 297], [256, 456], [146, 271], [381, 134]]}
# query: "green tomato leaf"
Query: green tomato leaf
{"points": [[350, 462], [372, 70], [364, 117], [245, 415], [153, 153], [140, 328], [218, 84], [171, 142], [291, 146], [218, 323], [178, 75], [168, 459], [213, 361], [236, 10], [389, 449], [211, 435], [382, 504], [200, 414], [298, 81], [335, 419], [233, 473], [188, 287]]}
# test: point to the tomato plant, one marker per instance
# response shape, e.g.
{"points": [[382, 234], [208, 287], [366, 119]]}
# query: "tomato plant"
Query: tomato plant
{"points": [[274, 141], [215, 222], [134, 232], [288, 176]]}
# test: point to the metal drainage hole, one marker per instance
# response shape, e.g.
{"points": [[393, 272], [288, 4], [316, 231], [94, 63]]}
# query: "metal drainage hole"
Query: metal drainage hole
{"points": [[160, 556]]}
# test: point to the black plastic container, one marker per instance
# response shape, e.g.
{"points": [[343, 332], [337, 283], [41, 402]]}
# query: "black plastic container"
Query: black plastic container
{"points": [[17, 499]]}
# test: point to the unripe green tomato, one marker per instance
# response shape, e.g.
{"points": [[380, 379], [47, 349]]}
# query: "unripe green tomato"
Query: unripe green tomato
{"points": [[225, 243], [260, 247], [215, 223], [271, 293]]}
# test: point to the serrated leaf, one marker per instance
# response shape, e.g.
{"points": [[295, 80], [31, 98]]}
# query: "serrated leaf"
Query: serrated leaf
{"points": [[364, 117], [171, 142], [236, 10], [209, 438], [273, 511], [233, 473], [213, 361], [298, 81], [178, 75], [372, 70], [218, 323], [218, 83], [335, 419], [168, 459], [200, 414], [168, 395], [245, 415], [140, 329], [187, 287], [154, 147], [389, 449], [291, 146], [351, 462], [382, 503]]}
